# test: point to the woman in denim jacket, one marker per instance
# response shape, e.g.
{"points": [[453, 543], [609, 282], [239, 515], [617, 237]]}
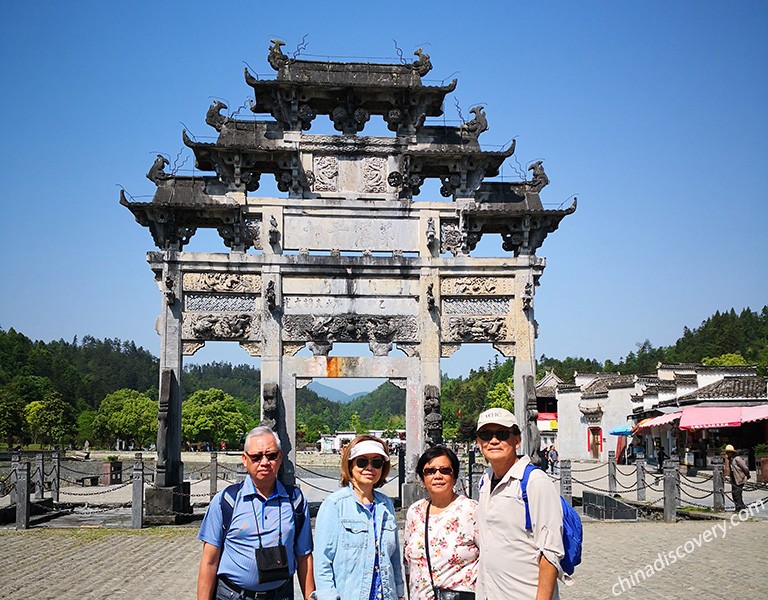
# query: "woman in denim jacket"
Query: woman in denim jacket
{"points": [[357, 551]]}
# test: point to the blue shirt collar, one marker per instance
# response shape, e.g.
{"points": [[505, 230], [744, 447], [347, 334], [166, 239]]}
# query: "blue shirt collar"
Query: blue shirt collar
{"points": [[249, 489]]}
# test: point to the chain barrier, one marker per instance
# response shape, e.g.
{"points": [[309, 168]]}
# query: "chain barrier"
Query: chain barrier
{"points": [[8, 490], [51, 472], [6, 478], [684, 491], [630, 474], [317, 474], [77, 472], [625, 487], [314, 486], [100, 492], [588, 481], [200, 470], [225, 468], [600, 466]]}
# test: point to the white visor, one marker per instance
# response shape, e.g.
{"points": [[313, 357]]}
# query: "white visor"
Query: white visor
{"points": [[367, 447]]}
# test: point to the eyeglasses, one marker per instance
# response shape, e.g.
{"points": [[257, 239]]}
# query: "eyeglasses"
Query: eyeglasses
{"points": [[501, 434], [443, 471], [362, 462], [271, 456]]}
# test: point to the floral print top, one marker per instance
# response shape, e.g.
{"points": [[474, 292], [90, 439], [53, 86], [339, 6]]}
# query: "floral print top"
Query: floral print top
{"points": [[453, 549]]}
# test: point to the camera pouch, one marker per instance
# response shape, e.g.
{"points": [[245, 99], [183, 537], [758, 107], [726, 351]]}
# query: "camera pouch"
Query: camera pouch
{"points": [[272, 563]]}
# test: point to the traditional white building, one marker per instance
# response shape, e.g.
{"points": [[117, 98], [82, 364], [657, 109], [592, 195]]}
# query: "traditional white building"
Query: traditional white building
{"points": [[652, 405]]}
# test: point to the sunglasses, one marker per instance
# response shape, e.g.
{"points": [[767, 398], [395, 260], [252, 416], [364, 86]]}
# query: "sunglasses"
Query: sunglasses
{"points": [[442, 470], [271, 456], [501, 434], [362, 462]]}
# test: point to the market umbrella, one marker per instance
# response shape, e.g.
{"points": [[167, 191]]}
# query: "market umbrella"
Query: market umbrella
{"points": [[623, 430]]}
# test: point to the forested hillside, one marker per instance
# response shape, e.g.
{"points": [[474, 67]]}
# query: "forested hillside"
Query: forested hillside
{"points": [[55, 392]]}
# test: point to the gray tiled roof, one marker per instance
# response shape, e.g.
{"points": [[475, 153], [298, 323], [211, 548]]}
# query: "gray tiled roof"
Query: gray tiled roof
{"points": [[730, 388]]}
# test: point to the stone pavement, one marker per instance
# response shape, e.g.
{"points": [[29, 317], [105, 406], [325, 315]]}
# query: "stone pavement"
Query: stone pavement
{"points": [[99, 563]]}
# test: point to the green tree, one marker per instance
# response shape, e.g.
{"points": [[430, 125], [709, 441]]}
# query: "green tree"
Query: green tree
{"points": [[84, 427], [732, 359], [12, 421], [501, 396], [127, 415], [52, 420], [212, 416]]}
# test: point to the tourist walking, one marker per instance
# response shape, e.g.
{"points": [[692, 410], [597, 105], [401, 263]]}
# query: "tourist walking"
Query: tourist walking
{"points": [[256, 534], [515, 562], [440, 541], [357, 545], [739, 468], [553, 458]]}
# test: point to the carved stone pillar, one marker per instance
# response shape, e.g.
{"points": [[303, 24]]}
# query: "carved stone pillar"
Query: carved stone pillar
{"points": [[169, 467], [169, 500], [278, 408], [525, 358]]}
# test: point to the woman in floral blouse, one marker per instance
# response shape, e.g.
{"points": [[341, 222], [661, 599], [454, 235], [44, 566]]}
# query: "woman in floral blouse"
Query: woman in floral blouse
{"points": [[450, 519]]}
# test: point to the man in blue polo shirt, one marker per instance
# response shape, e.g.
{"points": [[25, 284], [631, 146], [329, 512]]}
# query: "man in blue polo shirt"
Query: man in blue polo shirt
{"points": [[262, 516]]}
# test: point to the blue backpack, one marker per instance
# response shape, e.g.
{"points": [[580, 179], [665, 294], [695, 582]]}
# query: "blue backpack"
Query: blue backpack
{"points": [[228, 505], [572, 530]]}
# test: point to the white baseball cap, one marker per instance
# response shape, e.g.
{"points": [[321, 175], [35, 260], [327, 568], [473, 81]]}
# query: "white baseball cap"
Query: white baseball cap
{"points": [[368, 447], [496, 416]]}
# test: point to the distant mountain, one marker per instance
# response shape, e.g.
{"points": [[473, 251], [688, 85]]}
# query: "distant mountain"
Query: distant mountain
{"points": [[332, 394]]}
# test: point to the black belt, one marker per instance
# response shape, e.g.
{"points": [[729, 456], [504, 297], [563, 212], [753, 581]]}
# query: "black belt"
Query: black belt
{"points": [[267, 595]]}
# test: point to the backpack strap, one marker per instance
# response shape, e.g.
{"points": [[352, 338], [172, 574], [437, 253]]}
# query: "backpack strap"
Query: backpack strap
{"points": [[299, 503], [524, 488], [227, 501]]}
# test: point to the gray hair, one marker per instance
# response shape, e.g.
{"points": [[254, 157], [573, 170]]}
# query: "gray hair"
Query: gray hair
{"points": [[259, 431]]}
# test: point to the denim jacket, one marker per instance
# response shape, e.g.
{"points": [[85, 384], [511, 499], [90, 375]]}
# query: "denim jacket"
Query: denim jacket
{"points": [[345, 549]]}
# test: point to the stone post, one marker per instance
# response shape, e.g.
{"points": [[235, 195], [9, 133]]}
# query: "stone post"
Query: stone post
{"points": [[241, 473], [15, 462], [22, 496], [39, 476], [718, 483], [171, 363], [55, 475], [640, 464], [137, 497], [214, 475], [670, 490], [471, 474], [278, 387], [612, 472], [566, 485]]}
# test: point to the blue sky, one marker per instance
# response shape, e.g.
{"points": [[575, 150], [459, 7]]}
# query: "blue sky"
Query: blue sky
{"points": [[652, 113]]}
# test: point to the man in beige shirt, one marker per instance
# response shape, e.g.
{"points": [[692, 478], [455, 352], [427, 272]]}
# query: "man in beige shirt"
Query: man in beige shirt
{"points": [[515, 563]]}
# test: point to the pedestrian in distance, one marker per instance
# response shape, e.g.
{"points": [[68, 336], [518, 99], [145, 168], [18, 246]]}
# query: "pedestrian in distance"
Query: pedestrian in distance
{"points": [[440, 540], [515, 562], [357, 545], [256, 534], [739, 468], [553, 458]]}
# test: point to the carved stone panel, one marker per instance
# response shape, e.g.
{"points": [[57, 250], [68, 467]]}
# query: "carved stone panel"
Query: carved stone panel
{"points": [[374, 174], [220, 303], [326, 171], [476, 329], [476, 306], [222, 282], [350, 328], [222, 326], [477, 286]]}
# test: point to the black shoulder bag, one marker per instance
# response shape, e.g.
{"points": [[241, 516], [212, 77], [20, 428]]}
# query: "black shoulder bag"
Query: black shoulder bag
{"points": [[440, 593], [272, 561]]}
